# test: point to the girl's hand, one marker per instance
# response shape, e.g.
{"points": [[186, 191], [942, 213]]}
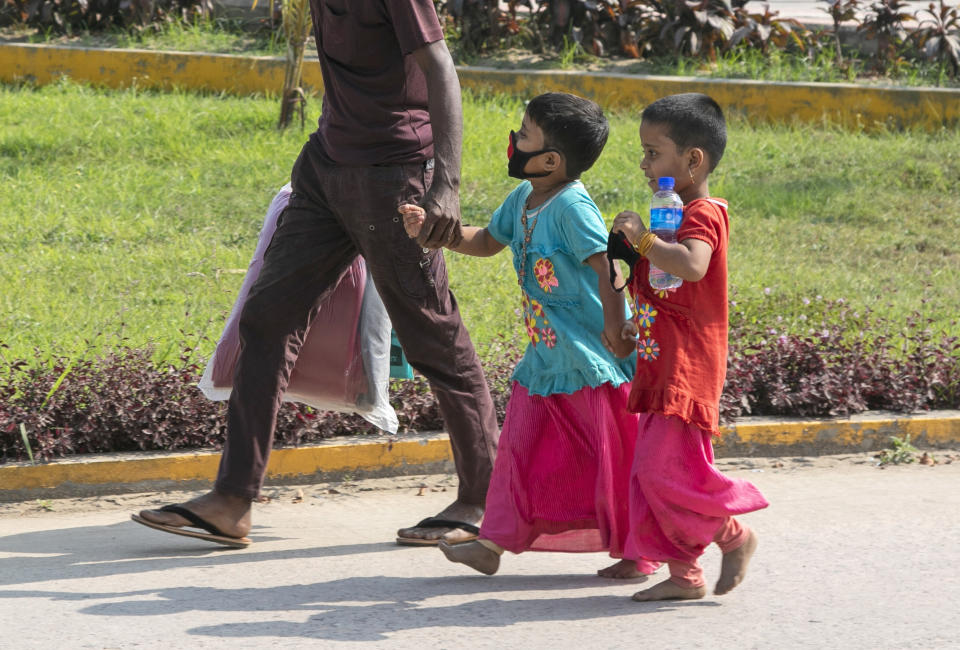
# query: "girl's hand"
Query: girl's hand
{"points": [[630, 224], [621, 341], [413, 218]]}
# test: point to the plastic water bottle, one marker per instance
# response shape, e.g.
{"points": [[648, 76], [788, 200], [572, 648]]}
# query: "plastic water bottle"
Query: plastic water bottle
{"points": [[666, 211]]}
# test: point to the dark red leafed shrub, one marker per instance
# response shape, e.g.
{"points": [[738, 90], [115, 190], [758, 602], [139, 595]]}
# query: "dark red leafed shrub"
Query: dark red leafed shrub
{"points": [[124, 401], [831, 361], [120, 401], [66, 16], [849, 362]]}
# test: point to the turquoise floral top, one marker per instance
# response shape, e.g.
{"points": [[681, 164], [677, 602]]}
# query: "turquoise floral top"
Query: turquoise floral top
{"points": [[562, 313]]}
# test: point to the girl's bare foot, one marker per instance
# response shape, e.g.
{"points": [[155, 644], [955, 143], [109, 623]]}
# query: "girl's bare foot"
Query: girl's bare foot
{"points": [[474, 554], [622, 570], [669, 590], [734, 566]]}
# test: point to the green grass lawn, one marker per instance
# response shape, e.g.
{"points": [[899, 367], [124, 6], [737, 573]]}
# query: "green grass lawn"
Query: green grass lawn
{"points": [[129, 216]]}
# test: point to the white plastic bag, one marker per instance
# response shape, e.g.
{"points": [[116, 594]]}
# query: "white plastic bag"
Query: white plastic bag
{"points": [[344, 364]]}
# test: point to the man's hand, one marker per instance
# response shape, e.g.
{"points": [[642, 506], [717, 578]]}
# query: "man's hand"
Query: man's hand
{"points": [[441, 224], [630, 224], [620, 341]]}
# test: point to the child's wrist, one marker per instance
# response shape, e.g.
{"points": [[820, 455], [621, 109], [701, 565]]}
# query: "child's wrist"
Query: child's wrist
{"points": [[645, 243]]}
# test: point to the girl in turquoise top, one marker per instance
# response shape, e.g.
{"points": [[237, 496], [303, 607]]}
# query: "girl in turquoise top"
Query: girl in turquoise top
{"points": [[561, 475]]}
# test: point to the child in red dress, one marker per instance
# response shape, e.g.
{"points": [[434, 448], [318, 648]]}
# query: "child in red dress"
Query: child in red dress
{"points": [[679, 502]]}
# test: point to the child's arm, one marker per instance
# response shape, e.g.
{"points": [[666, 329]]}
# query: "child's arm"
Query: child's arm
{"points": [[616, 336], [476, 241], [688, 259]]}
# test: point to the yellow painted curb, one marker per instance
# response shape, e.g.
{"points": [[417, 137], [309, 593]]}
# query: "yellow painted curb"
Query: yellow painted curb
{"points": [[430, 452], [286, 463], [846, 104], [836, 436], [328, 459], [117, 68]]}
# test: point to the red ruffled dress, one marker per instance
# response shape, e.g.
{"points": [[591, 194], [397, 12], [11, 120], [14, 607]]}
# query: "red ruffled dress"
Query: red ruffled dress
{"points": [[679, 502]]}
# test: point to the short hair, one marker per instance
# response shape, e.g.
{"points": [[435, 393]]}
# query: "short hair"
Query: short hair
{"points": [[573, 125], [693, 120]]}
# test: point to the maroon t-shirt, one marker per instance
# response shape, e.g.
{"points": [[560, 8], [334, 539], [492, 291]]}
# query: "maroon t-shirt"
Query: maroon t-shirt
{"points": [[375, 96]]}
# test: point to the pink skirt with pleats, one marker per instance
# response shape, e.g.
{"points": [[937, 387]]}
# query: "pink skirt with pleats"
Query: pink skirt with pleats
{"points": [[561, 477], [678, 499]]}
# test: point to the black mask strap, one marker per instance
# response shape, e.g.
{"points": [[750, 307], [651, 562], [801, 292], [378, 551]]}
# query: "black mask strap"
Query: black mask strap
{"points": [[618, 248]]}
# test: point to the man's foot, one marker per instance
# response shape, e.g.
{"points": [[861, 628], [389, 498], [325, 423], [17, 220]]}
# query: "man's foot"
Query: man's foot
{"points": [[456, 511], [474, 554], [669, 590], [622, 570], [734, 566], [230, 514]]}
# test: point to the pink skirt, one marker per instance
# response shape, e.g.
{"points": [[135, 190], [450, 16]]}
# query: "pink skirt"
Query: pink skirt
{"points": [[560, 481], [678, 499]]}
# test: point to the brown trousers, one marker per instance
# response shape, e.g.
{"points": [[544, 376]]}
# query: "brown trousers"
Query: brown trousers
{"points": [[336, 212]]}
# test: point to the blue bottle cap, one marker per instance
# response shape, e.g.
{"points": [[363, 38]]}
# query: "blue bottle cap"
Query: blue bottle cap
{"points": [[665, 182]]}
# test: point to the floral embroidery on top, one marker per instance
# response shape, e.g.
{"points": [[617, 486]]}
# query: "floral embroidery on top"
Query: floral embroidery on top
{"points": [[543, 270], [532, 315], [549, 337], [532, 332], [644, 315], [537, 310], [648, 349]]}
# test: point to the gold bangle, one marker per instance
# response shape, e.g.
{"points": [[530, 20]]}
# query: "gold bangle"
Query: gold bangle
{"points": [[645, 244]]}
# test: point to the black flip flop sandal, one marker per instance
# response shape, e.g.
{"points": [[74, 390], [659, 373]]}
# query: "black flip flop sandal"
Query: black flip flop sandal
{"points": [[434, 522]]}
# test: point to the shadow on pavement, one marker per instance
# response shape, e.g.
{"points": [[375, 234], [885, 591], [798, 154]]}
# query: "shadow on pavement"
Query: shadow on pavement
{"points": [[128, 548], [363, 608], [369, 608]]}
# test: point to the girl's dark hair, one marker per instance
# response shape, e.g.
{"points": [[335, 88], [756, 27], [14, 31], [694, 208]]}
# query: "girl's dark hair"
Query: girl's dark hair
{"points": [[693, 120], [573, 125]]}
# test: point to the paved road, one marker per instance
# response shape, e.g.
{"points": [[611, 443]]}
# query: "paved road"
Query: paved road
{"points": [[851, 556]]}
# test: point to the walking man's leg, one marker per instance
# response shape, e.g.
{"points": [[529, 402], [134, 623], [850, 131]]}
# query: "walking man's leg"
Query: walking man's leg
{"points": [[437, 344], [413, 285]]}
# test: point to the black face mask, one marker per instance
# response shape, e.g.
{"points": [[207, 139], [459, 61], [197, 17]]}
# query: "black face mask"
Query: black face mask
{"points": [[518, 159], [618, 248]]}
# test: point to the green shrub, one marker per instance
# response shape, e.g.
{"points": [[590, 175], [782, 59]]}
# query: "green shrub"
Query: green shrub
{"points": [[703, 29]]}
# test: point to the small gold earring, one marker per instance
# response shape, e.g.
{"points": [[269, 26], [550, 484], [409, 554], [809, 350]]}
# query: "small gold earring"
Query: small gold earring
{"points": [[692, 179]]}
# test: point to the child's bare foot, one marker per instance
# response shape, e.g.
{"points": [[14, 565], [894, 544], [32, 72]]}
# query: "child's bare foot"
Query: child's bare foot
{"points": [[669, 590], [734, 566], [622, 570], [474, 554]]}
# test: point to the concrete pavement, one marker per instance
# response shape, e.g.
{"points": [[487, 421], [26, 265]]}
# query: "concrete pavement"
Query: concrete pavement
{"points": [[851, 556]]}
